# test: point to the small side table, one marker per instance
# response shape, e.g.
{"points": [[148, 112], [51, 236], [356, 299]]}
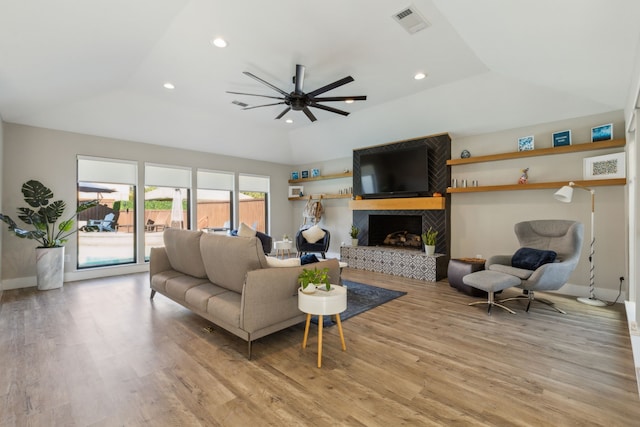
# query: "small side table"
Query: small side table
{"points": [[283, 245], [323, 303], [460, 267]]}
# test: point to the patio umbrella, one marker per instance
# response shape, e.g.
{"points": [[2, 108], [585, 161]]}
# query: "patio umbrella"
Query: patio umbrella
{"points": [[91, 187], [176, 209]]}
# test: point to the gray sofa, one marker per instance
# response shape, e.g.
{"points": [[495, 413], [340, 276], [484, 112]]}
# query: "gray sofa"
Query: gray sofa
{"points": [[227, 281]]}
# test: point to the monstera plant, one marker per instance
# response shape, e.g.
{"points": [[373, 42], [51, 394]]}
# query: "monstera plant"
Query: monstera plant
{"points": [[44, 217]]}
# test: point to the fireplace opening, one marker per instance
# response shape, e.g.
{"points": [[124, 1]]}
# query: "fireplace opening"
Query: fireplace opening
{"points": [[395, 230]]}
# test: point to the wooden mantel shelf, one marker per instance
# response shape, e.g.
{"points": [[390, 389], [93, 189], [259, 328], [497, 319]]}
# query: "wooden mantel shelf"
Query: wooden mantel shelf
{"points": [[409, 203]]}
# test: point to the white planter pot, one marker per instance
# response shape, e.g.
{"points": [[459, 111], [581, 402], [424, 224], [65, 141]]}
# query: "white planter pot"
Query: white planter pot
{"points": [[354, 242], [50, 268], [310, 289], [430, 250]]}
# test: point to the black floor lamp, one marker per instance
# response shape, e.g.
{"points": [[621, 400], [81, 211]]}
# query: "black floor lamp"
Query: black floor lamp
{"points": [[565, 194]]}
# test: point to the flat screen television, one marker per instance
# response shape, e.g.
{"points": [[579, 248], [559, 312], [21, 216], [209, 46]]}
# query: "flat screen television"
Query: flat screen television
{"points": [[395, 170]]}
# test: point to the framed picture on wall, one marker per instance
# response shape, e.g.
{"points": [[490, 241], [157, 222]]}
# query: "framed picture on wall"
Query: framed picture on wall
{"points": [[602, 133], [604, 167], [304, 174], [525, 143], [295, 190], [562, 138], [315, 173], [295, 175]]}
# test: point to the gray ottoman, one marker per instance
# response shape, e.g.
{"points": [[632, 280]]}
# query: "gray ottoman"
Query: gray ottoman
{"points": [[490, 282]]}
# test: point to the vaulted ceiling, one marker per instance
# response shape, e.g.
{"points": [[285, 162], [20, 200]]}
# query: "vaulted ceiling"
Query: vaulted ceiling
{"points": [[98, 67]]}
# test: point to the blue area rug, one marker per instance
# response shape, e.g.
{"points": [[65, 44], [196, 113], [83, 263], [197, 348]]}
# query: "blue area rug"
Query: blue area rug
{"points": [[360, 298]]}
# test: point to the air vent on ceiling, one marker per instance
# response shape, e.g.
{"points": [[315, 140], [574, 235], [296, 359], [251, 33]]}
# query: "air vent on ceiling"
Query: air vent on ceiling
{"points": [[241, 104], [411, 20]]}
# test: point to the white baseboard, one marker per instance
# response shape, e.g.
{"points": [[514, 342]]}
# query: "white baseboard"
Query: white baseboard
{"points": [[634, 334], [607, 295], [73, 276]]}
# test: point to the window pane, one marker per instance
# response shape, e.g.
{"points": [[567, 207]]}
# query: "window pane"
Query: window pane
{"points": [[163, 207], [214, 209], [106, 232], [252, 210]]}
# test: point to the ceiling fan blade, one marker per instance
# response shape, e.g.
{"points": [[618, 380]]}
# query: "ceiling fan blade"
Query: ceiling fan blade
{"points": [[299, 79], [255, 94], [331, 86], [324, 107], [265, 105], [286, 110], [265, 83], [309, 114], [339, 98]]}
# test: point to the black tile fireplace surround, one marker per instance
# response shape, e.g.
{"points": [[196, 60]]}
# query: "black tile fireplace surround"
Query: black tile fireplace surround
{"points": [[389, 221]]}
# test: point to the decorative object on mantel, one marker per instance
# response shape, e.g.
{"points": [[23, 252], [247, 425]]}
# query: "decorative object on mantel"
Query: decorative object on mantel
{"points": [[304, 174], [602, 133], [295, 175], [315, 173], [465, 154], [436, 194], [51, 235], [562, 138], [565, 194], [429, 240], [525, 143], [604, 167], [354, 235], [524, 178]]}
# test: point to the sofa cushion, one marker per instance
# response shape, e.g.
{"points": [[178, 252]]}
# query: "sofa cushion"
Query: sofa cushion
{"points": [[532, 259], [308, 259], [183, 251], [227, 259], [199, 296], [177, 287], [313, 234], [225, 308]]}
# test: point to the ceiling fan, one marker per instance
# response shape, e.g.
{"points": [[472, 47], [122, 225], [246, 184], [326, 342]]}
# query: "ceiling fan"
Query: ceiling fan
{"points": [[300, 101]]}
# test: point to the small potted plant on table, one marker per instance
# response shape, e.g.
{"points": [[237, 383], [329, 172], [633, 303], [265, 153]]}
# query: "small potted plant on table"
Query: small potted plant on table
{"points": [[354, 235], [429, 240], [309, 279]]}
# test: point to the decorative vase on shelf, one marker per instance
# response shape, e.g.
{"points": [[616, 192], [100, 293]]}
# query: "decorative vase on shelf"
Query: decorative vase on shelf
{"points": [[354, 242], [430, 249]]}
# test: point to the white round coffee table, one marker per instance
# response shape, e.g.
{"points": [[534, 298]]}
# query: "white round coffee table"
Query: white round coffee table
{"points": [[283, 245], [323, 303]]}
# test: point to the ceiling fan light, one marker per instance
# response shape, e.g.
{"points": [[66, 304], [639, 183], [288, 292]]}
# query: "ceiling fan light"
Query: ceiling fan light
{"points": [[219, 42], [348, 101], [419, 76], [289, 121]]}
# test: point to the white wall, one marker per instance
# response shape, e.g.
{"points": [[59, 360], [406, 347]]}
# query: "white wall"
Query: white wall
{"points": [[1, 173], [482, 223], [50, 156]]}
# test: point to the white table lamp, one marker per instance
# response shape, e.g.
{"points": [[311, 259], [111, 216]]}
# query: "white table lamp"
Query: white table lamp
{"points": [[565, 194]]}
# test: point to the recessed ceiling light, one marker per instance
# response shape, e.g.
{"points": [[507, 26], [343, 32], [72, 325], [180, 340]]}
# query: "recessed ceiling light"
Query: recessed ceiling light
{"points": [[219, 42], [419, 76], [289, 120], [169, 85]]}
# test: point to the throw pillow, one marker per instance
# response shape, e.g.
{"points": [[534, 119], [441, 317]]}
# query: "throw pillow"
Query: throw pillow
{"points": [[289, 262], [532, 259], [313, 234], [308, 259], [246, 231]]}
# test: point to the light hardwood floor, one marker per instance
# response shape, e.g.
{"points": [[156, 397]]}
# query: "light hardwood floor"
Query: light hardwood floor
{"points": [[100, 353]]}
